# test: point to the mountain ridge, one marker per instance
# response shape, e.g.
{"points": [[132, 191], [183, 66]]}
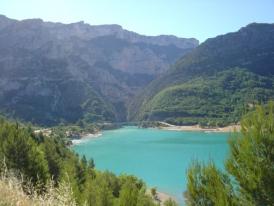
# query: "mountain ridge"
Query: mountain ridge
{"points": [[250, 49], [54, 72], [114, 30]]}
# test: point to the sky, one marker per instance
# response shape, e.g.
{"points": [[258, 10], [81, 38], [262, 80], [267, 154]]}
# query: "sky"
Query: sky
{"points": [[200, 19]]}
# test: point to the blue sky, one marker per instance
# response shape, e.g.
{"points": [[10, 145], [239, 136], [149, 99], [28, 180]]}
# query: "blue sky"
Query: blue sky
{"points": [[184, 18]]}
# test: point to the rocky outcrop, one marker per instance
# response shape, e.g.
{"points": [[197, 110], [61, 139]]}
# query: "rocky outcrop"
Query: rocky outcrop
{"points": [[54, 72]]}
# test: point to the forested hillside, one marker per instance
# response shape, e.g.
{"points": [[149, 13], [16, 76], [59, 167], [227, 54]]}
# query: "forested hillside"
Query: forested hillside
{"points": [[215, 83]]}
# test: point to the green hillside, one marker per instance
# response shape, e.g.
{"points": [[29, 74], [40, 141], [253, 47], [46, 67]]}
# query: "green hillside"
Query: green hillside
{"points": [[215, 83], [216, 100]]}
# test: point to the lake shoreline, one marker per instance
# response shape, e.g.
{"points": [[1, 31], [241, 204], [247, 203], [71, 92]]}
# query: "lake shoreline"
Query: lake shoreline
{"points": [[158, 157], [198, 128], [85, 138]]}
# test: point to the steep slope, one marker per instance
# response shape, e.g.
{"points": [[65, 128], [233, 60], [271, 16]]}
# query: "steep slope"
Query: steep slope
{"points": [[215, 82], [53, 72]]}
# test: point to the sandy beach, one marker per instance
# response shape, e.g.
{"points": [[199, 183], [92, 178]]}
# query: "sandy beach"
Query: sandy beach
{"points": [[86, 138], [230, 128]]}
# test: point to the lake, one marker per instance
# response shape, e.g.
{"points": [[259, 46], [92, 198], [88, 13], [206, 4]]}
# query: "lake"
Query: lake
{"points": [[159, 157]]}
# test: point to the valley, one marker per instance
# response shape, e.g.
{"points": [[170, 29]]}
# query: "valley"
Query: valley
{"points": [[93, 114]]}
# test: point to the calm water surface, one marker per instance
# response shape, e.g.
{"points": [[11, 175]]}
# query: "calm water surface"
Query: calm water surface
{"points": [[159, 157]]}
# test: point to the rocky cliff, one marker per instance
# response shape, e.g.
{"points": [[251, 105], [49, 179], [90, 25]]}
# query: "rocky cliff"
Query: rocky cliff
{"points": [[54, 72]]}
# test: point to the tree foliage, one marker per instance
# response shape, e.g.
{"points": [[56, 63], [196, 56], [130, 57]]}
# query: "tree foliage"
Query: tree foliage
{"points": [[214, 82], [251, 160], [170, 202], [209, 186], [249, 176], [215, 100], [43, 159]]}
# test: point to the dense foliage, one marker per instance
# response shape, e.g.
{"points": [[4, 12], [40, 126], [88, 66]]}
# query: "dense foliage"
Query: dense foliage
{"points": [[41, 159], [249, 176], [215, 82], [210, 101]]}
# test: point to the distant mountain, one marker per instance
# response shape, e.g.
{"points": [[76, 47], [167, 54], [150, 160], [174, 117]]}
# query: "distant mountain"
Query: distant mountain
{"points": [[54, 72], [215, 83]]}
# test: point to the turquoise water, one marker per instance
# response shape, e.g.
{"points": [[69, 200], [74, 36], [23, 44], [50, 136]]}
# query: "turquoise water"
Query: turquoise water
{"points": [[159, 157]]}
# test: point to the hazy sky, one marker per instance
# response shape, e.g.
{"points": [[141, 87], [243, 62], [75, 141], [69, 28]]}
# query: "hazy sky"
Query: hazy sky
{"points": [[185, 18]]}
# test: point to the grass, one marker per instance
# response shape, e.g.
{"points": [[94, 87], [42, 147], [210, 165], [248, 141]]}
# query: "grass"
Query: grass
{"points": [[14, 193]]}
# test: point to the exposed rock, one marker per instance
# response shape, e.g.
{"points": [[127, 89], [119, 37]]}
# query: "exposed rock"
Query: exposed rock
{"points": [[54, 72]]}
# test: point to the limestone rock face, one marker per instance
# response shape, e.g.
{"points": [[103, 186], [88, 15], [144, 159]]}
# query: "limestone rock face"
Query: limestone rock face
{"points": [[54, 72]]}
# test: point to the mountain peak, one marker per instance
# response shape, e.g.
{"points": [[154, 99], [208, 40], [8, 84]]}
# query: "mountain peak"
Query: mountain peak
{"points": [[3, 16], [257, 27], [34, 20], [86, 31], [4, 21]]}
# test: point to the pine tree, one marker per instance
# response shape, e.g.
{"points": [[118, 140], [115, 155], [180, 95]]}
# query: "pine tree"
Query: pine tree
{"points": [[251, 160], [22, 153], [250, 167]]}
